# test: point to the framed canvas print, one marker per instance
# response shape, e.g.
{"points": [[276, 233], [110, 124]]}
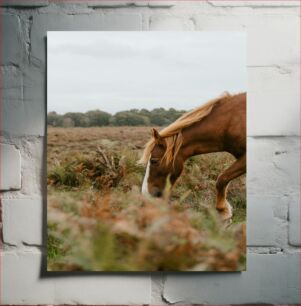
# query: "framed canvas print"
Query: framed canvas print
{"points": [[146, 151]]}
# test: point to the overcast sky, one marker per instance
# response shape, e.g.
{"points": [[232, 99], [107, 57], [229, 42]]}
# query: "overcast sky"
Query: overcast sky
{"points": [[114, 71]]}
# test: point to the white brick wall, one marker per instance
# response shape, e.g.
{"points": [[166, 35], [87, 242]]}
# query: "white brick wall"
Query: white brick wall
{"points": [[23, 222], [10, 171], [23, 284], [273, 162], [24, 3], [269, 279], [13, 47]]}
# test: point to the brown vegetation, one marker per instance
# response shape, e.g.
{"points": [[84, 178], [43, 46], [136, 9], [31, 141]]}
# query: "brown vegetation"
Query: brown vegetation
{"points": [[99, 221]]}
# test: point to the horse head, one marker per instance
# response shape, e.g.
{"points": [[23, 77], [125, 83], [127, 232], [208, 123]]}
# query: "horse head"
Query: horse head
{"points": [[158, 169]]}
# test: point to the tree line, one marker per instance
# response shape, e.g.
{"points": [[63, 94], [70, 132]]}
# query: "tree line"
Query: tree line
{"points": [[133, 117]]}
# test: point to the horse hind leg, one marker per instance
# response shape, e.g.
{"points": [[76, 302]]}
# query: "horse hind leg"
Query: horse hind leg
{"points": [[235, 170]]}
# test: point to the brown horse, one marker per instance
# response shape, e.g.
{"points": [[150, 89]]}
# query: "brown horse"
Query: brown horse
{"points": [[217, 126]]}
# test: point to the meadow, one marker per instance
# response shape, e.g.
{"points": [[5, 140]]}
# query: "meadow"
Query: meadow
{"points": [[99, 221]]}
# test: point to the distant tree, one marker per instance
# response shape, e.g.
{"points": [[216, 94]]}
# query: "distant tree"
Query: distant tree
{"points": [[79, 119], [133, 117], [84, 121], [98, 118], [68, 122], [173, 114], [134, 110], [54, 119], [145, 112], [157, 117], [129, 118]]}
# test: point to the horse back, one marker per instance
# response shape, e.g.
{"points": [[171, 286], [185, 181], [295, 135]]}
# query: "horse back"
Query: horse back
{"points": [[230, 119]]}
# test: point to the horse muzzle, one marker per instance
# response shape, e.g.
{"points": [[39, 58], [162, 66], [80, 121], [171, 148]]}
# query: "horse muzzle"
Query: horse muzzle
{"points": [[157, 193]]}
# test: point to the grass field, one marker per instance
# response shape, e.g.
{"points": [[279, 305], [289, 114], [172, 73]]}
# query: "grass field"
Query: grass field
{"points": [[99, 221]]}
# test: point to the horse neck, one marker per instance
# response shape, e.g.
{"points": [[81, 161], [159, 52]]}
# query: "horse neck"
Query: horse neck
{"points": [[200, 138]]}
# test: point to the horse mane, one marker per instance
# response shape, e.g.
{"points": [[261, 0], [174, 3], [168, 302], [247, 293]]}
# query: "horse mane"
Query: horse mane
{"points": [[172, 133]]}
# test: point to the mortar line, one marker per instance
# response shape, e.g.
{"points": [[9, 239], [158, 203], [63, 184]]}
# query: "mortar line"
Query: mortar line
{"points": [[1, 129]]}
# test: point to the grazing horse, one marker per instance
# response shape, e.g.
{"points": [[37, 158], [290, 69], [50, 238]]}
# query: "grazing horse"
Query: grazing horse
{"points": [[217, 126]]}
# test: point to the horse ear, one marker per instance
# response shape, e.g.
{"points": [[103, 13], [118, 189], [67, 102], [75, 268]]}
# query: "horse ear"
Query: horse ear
{"points": [[156, 134], [158, 138]]}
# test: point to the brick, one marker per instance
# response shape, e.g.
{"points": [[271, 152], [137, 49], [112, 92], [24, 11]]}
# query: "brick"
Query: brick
{"points": [[12, 96], [23, 89], [24, 3], [166, 23], [247, 3], [273, 165], [260, 219], [67, 7], [32, 151], [141, 3], [10, 170], [13, 46], [132, 289], [23, 284], [294, 220], [118, 3], [22, 107], [275, 91], [268, 279], [154, 3], [92, 22], [34, 108], [268, 34], [104, 4], [11, 84], [108, 4], [287, 159], [22, 221]]}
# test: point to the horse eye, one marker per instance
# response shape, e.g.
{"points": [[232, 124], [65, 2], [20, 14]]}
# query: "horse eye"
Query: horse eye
{"points": [[154, 161]]}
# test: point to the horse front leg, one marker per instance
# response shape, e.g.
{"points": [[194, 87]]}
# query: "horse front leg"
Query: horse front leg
{"points": [[235, 170]]}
